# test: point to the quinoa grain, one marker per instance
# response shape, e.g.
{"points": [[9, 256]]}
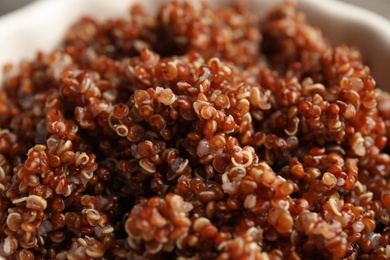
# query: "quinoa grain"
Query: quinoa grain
{"points": [[198, 133]]}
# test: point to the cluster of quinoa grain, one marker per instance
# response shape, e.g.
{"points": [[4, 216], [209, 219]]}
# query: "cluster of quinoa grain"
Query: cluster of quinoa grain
{"points": [[197, 133]]}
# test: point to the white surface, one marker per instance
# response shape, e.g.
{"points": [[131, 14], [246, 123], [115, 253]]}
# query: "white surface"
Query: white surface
{"points": [[41, 26]]}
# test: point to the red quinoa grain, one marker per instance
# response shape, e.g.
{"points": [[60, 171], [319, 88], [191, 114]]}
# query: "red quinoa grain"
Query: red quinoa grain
{"points": [[198, 133]]}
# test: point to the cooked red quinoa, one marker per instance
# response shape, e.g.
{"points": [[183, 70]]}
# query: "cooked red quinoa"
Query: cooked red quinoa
{"points": [[198, 133]]}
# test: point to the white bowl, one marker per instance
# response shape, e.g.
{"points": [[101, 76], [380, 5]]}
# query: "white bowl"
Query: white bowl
{"points": [[41, 26]]}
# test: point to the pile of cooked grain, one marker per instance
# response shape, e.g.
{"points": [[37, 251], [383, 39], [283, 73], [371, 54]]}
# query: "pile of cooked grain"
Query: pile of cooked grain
{"points": [[198, 133]]}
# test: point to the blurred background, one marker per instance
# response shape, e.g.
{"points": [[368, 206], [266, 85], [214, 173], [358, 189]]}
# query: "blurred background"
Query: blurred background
{"points": [[381, 7], [10, 5]]}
